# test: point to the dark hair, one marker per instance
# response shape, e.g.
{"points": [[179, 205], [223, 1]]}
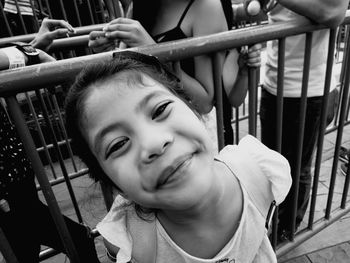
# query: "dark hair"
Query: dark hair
{"points": [[136, 64]]}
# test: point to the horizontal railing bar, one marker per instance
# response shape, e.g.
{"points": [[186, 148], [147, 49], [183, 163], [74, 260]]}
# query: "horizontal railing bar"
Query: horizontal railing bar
{"points": [[34, 77], [50, 252], [317, 227], [84, 30], [62, 179]]}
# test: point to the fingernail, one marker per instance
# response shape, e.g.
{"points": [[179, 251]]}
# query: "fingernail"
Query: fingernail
{"points": [[108, 34]]}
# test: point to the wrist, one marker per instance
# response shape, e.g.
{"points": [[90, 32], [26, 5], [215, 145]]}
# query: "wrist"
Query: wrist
{"points": [[31, 54]]}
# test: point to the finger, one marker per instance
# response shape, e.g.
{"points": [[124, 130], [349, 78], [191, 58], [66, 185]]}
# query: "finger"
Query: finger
{"points": [[96, 34], [103, 48], [255, 54], [54, 23], [120, 27], [122, 35], [99, 42], [255, 47], [58, 33], [120, 21]]}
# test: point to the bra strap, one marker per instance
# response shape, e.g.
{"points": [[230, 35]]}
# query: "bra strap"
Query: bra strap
{"points": [[184, 13]]}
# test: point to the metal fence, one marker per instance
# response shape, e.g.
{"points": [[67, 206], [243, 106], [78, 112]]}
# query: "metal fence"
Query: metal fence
{"points": [[35, 104]]}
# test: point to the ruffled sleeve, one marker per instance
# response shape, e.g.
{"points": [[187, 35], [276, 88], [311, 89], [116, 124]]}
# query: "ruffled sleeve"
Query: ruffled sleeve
{"points": [[113, 228], [272, 164], [257, 159]]}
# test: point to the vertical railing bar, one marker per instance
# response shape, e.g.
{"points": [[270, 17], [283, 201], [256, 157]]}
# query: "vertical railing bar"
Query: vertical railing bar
{"points": [[346, 189], [5, 18], [318, 160], [300, 137], [102, 10], [344, 69], [35, 17], [237, 124], [40, 6], [251, 101], [6, 250], [279, 118], [23, 132], [338, 139], [60, 158], [346, 38], [53, 114], [117, 9], [63, 129], [41, 135], [90, 12], [48, 8], [19, 14], [63, 10], [218, 99], [77, 12]]}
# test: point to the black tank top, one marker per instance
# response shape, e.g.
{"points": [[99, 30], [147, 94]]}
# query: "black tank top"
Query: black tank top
{"points": [[177, 33]]}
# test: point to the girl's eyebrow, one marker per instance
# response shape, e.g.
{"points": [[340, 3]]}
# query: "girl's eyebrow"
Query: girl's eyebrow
{"points": [[143, 103]]}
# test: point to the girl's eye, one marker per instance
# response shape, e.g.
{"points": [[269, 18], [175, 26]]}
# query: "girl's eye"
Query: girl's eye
{"points": [[160, 110], [117, 147]]}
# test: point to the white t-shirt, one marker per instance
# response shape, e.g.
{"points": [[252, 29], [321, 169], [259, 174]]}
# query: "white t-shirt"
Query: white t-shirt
{"points": [[294, 58], [249, 243], [24, 6]]}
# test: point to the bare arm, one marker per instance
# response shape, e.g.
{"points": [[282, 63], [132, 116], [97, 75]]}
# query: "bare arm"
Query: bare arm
{"points": [[49, 30], [235, 73], [327, 12], [201, 87]]}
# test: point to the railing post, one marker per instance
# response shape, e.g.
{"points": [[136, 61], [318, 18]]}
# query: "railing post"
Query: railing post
{"points": [[33, 156], [217, 70]]}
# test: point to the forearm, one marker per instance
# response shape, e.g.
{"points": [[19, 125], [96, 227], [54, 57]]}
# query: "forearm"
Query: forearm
{"points": [[327, 12], [240, 88], [200, 97]]}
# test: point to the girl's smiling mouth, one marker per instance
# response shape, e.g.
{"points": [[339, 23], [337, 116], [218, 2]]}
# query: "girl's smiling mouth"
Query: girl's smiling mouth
{"points": [[174, 172]]}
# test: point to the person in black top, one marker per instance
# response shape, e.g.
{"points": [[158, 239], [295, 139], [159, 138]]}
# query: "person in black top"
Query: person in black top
{"points": [[24, 219]]}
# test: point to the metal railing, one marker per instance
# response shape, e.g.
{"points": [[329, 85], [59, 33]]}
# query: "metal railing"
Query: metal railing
{"points": [[47, 81]]}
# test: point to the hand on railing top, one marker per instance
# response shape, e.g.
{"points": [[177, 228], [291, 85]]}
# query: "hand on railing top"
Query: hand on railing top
{"points": [[121, 31], [51, 29]]}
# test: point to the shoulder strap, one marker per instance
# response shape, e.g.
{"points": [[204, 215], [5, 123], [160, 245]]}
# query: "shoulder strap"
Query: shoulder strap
{"points": [[144, 239], [227, 7], [184, 13]]}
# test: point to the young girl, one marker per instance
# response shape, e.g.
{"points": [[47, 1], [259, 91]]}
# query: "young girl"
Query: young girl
{"points": [[132, 125]]}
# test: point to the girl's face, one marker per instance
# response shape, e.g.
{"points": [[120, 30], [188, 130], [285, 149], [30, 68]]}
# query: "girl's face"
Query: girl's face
{"points": [[149, 143]]}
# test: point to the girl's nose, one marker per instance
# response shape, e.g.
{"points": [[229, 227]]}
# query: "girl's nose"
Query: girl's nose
{"points": [[154, 145]]}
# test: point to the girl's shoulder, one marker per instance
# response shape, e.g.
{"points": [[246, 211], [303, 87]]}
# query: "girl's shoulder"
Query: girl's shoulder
{"points": [[251, 158], [122, 229]]}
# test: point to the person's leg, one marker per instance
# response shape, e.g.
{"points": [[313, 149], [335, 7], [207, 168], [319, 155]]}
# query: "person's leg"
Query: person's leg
{"points": [[268, 118], [50, 237], [19, 223], [311, 131]]}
